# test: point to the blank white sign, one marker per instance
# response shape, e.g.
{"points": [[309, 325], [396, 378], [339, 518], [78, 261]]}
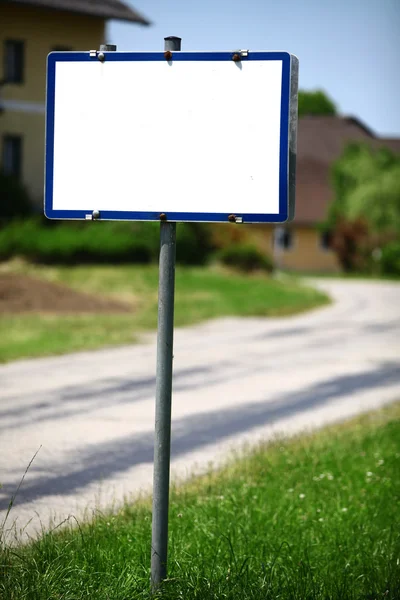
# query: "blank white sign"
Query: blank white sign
{"points": [[165, 136]]}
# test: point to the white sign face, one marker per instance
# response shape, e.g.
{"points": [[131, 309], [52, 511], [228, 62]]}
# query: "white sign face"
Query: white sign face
{"points": [[196, 138]]}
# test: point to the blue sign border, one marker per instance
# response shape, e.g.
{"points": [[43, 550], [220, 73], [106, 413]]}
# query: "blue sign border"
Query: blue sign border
{"points": [[55, 57]]}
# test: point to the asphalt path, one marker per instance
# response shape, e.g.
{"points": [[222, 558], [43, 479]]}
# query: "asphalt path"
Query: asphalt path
{"points": [[236, 382]]}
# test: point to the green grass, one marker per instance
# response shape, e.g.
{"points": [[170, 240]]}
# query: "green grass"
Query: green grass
{"points": [[314, 518], [343, 275], [201, 293]]}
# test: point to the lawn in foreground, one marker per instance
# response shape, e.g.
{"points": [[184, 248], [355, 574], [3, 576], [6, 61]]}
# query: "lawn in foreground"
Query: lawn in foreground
{"points": [[201, 294], [317, 517]]}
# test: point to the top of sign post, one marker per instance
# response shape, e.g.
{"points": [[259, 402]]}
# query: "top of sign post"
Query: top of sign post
{"points": [[181, 136]]}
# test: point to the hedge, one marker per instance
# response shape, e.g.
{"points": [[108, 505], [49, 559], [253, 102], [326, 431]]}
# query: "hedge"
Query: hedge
{"points": [[245, 257], [75, 242]]}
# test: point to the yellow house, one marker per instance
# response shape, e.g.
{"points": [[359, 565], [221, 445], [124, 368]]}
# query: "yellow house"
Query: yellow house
{"points": [[29, 30], [301, 245], [321, 140]]}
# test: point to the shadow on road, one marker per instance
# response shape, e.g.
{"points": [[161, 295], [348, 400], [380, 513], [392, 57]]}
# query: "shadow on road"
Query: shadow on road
{"points": [[189, 433]]}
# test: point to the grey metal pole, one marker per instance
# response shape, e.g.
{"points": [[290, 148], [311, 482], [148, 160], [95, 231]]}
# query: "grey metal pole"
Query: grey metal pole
{"points": [[162, 439]]}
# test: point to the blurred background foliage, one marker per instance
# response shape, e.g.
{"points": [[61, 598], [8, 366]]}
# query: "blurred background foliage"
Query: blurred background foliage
{"points": [[113, 242], [315, 103], [364, 217]]}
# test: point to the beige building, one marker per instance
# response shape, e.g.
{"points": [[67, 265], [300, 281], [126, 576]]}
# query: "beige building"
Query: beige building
{"points": [[29, 30], [301, 246]]}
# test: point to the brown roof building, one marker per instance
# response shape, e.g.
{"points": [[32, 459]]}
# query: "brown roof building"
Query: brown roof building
{"points": [[104, 9], [321, 141]]}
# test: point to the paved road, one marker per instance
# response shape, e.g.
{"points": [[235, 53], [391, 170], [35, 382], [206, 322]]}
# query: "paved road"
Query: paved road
{"points": [[235, 381]]}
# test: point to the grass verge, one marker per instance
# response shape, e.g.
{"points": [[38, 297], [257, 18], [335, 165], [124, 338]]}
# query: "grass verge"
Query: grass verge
{"points": [[314, 518], [201, 294], [367, 277]]}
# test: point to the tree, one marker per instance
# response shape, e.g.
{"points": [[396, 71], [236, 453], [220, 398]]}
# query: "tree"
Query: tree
{"points": [[365, 213], [315, 103], [367, 186]]}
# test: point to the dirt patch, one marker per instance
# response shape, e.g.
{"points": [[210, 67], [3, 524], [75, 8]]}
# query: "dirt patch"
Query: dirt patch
{"points": [[21, 294]]}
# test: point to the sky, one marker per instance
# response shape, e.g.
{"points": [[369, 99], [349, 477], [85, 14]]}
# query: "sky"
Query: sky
{"points": [[348, 48]]}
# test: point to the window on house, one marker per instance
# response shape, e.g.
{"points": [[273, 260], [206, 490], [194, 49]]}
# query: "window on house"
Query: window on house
{"points": [[13, 61], [283, 238], [12, 155], [325, 240]]}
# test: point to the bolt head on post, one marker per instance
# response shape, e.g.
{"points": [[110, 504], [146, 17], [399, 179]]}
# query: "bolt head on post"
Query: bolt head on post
{"points": [[105, 48], [172, 43]]}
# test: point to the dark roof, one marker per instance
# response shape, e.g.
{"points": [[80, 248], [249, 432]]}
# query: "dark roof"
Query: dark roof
{"points": [[321, 141], [105, 9], [313, 192], [323, 138], [392, 143]]}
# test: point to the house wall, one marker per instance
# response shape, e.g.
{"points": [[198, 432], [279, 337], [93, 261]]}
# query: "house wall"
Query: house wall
{"points": [[22, 105], [307, 254]]}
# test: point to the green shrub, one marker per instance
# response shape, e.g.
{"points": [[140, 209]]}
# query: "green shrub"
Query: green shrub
{"points": [[55, 242], [194, 244], [14, 199], [390, 259], [74, 242], [245, 257]]}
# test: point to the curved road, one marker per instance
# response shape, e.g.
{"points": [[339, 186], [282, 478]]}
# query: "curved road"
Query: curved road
{"points": [[235, 381]]}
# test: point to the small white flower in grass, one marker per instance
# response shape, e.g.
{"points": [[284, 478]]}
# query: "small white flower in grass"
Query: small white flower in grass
{"points": [[380, 462], [318, 510], [301, 496], [290, 490], [320, 519], [344, 509], [369, 473], [179, 515], [330, 476]]}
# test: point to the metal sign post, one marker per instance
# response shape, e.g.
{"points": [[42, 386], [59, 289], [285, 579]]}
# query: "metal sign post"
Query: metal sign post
{"points": [[162, 438]]}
